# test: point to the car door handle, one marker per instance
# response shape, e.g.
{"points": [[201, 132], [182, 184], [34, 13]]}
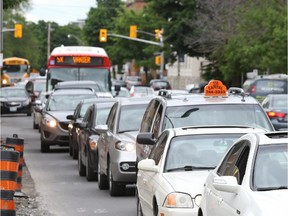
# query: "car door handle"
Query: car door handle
{"points": [[220, 200], [145, 180]]}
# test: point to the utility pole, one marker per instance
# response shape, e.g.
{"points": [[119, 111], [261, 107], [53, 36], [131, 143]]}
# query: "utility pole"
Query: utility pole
{"points": [[48, 40], [1, 33]]}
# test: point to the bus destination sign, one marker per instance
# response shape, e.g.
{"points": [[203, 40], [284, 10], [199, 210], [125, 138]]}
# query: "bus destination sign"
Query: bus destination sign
{"points": [[78, 60]]}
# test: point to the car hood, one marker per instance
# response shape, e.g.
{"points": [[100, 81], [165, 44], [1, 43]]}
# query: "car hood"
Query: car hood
{"points": [[60, 115], [191, 182], [267, 201], [128, 136], [11, 99]]}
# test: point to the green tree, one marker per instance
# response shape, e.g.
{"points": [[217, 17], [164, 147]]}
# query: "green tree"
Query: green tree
{"points": [[260, 41], [9, 4]]}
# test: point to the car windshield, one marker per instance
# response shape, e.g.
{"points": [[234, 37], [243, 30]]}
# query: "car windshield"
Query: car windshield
{"points": [[65, 102], [212, 114], [192, 152], [13, 93], [130, 117], [271, 167]]}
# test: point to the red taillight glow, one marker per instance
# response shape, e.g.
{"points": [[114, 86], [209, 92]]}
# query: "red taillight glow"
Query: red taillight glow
{"points": [[276, 114], [253, 89]]}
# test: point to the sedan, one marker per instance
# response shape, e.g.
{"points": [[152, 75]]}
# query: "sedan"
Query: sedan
{"points": [[170, 181], [116, 145], [15, 100], [96, 114], [252, 178], [54, 124], [276, 107]]}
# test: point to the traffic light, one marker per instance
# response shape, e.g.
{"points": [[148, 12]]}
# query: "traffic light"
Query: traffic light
{"points": [[133, 31], [158, 60], [103, 35], [18, 30], [158, 34]]}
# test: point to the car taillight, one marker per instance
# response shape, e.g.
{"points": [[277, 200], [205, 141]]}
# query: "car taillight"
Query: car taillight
{"points": [[253, 89], [276, 114]]}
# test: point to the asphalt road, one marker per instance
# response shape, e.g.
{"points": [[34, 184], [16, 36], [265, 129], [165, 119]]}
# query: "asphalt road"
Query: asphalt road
{"points": [[60, 189]]}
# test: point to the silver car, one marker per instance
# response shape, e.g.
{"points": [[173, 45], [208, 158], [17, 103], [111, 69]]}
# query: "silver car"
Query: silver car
{"points": [[54, 124], [116, 145]]}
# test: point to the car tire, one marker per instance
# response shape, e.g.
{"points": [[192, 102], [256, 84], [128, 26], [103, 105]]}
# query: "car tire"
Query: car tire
{"points": [[81, 167], [115, 188], [35, 126], [74, 151], [44, 147], [70, 146], [29, 114], [139, 207], [102, 179], [90, 174]]}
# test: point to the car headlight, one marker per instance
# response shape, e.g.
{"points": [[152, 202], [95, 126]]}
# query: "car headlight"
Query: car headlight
{"points": [[4, 81], [178, 200], [93, 144], [70, 126], [125, 146], [49, 121]]}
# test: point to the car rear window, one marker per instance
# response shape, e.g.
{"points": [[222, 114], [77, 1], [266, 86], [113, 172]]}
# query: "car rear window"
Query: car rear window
{"points": [[271, 86], [250, 115]]}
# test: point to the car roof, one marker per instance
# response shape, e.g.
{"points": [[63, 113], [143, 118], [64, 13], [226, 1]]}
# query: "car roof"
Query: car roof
{"points": [[134, 100], [73, 92], [13, 88], [269, 138], [217, 129], [199, 99]]}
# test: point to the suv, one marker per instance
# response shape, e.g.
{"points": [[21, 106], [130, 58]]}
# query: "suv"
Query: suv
{"points": [[232, 107], [259, 88]]}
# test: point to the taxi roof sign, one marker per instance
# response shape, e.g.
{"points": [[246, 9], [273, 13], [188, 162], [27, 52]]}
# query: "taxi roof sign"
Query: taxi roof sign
{"points": [[215, 88]]}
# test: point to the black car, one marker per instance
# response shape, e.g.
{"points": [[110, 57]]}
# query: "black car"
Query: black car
{"points": [[96, 114], [77, 116], [276, 107], [15, 100]]}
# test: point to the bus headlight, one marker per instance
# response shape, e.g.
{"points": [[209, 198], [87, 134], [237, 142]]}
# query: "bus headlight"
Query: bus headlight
{"points": [[4, 81]]}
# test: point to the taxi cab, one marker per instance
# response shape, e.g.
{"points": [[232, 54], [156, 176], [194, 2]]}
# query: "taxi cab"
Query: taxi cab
{"points": [[217, 106]]}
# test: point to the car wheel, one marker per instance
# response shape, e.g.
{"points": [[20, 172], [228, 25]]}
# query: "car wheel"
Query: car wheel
{"points": [[44, 147], [115, 188], [35, 126], [90, 174], [81, 167], [74, 152], [70, 146], [139, 208], [102, 179]]}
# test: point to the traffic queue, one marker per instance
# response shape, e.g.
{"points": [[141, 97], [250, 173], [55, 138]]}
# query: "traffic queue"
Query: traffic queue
{"points": [[210, 153]]}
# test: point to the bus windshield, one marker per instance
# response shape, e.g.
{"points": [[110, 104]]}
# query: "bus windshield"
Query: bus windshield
{"points": [[100, 75], [15, 68]]}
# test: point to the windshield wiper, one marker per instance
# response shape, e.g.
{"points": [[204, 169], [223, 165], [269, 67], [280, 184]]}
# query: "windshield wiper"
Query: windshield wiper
{"points": [[190, 168], [188, 112], [272, 188]]}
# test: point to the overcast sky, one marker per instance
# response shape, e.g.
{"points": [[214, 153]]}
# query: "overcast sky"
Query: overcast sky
{"points": [[59, 11]]}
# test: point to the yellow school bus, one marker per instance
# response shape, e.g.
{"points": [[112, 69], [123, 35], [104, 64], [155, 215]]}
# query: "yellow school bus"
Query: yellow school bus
{"points": [[14, 70]]}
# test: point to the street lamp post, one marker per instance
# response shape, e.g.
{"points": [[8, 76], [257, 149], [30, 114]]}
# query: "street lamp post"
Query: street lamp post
{"points": [[78, 39]]}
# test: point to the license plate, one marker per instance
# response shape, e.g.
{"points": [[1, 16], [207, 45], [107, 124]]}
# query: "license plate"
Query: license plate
{"points": [[13, 109]]}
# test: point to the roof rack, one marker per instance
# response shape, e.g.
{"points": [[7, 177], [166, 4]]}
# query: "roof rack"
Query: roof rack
{"points": [[165, 93], [237, 91]]}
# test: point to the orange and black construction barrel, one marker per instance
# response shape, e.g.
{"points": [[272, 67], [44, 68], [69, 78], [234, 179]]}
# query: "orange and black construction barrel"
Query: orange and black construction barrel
{"points": [[9, 162], [18, 144]]}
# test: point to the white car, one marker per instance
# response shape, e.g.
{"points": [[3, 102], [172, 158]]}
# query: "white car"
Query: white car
{"points": [[251, 179], [170, 181]]}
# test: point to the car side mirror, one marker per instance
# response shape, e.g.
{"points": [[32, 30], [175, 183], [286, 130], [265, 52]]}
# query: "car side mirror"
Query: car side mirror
{"points": [[101, 129], [145, 138], [70, 117], [147, 165], [227, 184]]}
